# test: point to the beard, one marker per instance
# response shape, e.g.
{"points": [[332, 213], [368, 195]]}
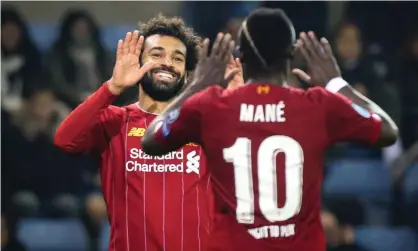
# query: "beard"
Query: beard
{"points": [[162, 90]]}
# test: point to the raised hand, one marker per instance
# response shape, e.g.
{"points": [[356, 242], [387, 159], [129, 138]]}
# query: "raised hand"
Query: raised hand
{"points": [[127, 71], [211, 68], [322, 66], [234, 65]]}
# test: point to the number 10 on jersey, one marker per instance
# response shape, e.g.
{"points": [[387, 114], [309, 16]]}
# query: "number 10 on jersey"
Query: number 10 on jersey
{"points": [[239, 154]]}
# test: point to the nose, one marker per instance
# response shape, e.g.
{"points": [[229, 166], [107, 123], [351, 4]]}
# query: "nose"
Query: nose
{"points": [[168, 61]]}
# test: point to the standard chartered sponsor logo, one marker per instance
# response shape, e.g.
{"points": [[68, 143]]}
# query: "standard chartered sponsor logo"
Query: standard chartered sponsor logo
{"points": [[136, 164]]}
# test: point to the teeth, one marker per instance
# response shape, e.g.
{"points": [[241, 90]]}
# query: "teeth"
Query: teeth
{"points": [[165, 75]]}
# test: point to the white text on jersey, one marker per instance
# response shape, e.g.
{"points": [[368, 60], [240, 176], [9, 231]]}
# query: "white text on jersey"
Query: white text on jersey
{"points": [[137, 153], [274, 231], [262, 113]]}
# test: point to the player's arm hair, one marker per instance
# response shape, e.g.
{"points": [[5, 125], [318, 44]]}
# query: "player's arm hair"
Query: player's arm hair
{"points": [[150, 144], [389, 131]]}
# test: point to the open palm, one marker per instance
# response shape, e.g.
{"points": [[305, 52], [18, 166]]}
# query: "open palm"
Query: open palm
{"points": [[234, 67], [211, 68], [127, 71], [320, 60]]}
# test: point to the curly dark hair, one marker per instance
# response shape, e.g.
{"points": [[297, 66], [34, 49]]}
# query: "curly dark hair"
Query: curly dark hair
{"points": [[174, 27]]}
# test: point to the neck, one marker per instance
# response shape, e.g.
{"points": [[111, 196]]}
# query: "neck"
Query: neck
{"points": [[275, 80], [150, 105], [275, 75]]}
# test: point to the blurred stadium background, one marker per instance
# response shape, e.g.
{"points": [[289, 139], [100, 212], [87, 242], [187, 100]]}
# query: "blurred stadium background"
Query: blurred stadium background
{"points": [[54, 54]]}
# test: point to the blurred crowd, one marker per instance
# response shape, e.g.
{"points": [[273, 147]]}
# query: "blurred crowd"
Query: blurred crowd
{"points": [[376, 45]]}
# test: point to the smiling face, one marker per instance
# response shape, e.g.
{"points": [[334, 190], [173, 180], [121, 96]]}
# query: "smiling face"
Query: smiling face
{"points": [[166, 79]]}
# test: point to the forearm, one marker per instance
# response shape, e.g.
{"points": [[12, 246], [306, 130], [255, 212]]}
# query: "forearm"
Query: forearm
{"points": [[174, 105], [363, 101], [149, 142], [75, 131], [389, 128]]}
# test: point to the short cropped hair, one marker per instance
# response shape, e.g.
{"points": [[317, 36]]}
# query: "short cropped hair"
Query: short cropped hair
{"points": [[273, 35], [174, 27]]}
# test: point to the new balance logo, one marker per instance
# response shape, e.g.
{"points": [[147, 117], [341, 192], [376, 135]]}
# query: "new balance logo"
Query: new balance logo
{"points": [[193, 163], [136, 132]]}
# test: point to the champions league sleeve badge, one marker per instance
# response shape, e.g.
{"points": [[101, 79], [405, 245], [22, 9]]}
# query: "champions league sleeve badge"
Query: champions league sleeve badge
{"points": [[173, 115], [361, 111], [169, 119]]}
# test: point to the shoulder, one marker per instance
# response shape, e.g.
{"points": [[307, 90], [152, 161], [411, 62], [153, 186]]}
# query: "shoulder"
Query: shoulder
{"points": [[328, 101], [211, 92], [321, 96], [127, 109], [316, 93], [205, 97], [114, 113], [116, 110], [134, 110]]}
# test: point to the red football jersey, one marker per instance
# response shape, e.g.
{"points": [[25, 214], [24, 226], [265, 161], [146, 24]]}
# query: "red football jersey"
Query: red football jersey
{"points": [[154, 203], [265, 147]]}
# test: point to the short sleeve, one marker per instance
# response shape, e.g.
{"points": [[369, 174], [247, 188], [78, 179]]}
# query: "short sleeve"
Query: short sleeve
{"points": [[183, 125], [347, 121]]}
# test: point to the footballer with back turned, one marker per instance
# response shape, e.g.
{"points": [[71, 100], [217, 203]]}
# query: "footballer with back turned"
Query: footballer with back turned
{"points": [[154, 203], [265, 141]]}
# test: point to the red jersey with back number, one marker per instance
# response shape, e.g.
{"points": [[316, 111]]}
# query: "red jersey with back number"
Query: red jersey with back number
{"points": [[265, 147], [154, 203]]}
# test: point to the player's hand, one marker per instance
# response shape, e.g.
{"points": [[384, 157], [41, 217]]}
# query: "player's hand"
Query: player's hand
{"points": [[321, 63], [127, 71], [211, 68], [234, 65]]}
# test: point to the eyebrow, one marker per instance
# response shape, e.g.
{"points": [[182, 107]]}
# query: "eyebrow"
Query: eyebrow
{"points": [[159, 48]]}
